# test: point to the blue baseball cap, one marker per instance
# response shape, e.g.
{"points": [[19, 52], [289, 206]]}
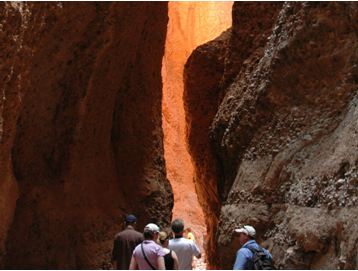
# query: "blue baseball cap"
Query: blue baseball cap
{"points": [[130, 218]]}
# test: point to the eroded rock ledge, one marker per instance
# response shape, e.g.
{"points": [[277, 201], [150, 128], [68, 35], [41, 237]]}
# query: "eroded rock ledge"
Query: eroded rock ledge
{"points": [[280, 132], [81, 136]]}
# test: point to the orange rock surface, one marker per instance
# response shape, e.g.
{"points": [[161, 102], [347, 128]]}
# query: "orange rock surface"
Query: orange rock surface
{"points": [[190, 24]]}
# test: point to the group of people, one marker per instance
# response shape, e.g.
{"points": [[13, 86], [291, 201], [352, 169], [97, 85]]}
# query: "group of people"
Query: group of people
{"points": [[160, 250], [153, 249]]}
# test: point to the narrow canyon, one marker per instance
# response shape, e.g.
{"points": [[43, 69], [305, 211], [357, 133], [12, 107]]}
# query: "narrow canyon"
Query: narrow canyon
{"points": [[221, 113], [190, 24]]}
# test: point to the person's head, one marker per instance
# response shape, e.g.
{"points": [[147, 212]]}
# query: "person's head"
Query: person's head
{"points": [[164, 238], [178, 227], [246, 233], [130, 220], [151, 232]]}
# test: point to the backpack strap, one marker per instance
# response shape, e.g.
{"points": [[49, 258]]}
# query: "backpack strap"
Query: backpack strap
{"points": [[253, 250], [260, 260], [146, 259]]}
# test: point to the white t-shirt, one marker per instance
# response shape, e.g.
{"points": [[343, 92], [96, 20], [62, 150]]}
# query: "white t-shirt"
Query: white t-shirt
{"points": [[185, 250]]}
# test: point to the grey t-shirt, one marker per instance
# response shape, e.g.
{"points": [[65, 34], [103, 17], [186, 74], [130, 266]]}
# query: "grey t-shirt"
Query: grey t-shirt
{"points": [[185, 250]]}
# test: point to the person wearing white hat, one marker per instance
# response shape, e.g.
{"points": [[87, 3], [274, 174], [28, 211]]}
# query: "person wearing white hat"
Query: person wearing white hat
{"points": [[244, 256], [148, 255]]}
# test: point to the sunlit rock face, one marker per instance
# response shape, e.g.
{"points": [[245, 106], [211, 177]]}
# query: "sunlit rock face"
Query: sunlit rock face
{"points": [[202, 94], [284, 134], [81, 140], [190, 24]]}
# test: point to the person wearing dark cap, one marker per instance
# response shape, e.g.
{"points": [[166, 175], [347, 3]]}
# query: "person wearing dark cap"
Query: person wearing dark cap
{"points": [[124, 244], [245, 255]]}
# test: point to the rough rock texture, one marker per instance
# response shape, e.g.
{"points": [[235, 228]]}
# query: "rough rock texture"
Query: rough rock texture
{"points": [[203, 72], [81, 137], [190, 24], [284, 136]]}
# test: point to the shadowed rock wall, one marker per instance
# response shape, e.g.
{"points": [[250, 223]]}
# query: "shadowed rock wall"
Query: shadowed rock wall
{"points": [[284, 135], [81, 136]]}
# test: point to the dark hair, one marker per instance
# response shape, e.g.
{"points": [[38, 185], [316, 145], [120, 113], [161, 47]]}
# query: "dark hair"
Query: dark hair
{"points": [[148, 234], [178, 226], [130, 223]]}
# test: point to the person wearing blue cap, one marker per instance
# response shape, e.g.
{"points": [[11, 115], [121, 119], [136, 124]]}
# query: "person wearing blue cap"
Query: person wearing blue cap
{"points": [[124, 244]]}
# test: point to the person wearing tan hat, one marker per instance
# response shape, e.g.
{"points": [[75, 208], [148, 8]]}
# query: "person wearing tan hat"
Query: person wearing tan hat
{"points": [[249, 246], [170, 257]]}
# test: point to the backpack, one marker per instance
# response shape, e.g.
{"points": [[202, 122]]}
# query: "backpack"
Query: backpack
{"points": [[260, 260]]}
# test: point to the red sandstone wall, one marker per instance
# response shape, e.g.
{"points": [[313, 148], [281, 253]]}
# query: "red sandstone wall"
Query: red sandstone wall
{"points": [[285, 132], [190, 24], [202, 75], [81, 140]]}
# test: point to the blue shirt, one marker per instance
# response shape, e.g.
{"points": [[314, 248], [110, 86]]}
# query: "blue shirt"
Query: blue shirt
{"points": [[244, 256]]}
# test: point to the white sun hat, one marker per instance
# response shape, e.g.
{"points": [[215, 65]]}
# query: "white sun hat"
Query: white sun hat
{"points": [[248, 230], [152, 227]]}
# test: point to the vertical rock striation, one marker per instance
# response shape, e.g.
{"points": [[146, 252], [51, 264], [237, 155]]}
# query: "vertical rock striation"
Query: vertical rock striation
{"points": [[284, 135], [202, 75], [81, 137], [190, 24]]}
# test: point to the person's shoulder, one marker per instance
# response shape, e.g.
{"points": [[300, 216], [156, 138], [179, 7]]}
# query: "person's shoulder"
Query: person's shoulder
{"points": [[136, 249], [183, 242], [158, 249], [174, 254], [137, 233], [191, 242], [245, 251], [268, 254], [155, 244], [175, 241], [121, 234], [131, 232], [118, 235], [186, 241], [138, 246]]}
